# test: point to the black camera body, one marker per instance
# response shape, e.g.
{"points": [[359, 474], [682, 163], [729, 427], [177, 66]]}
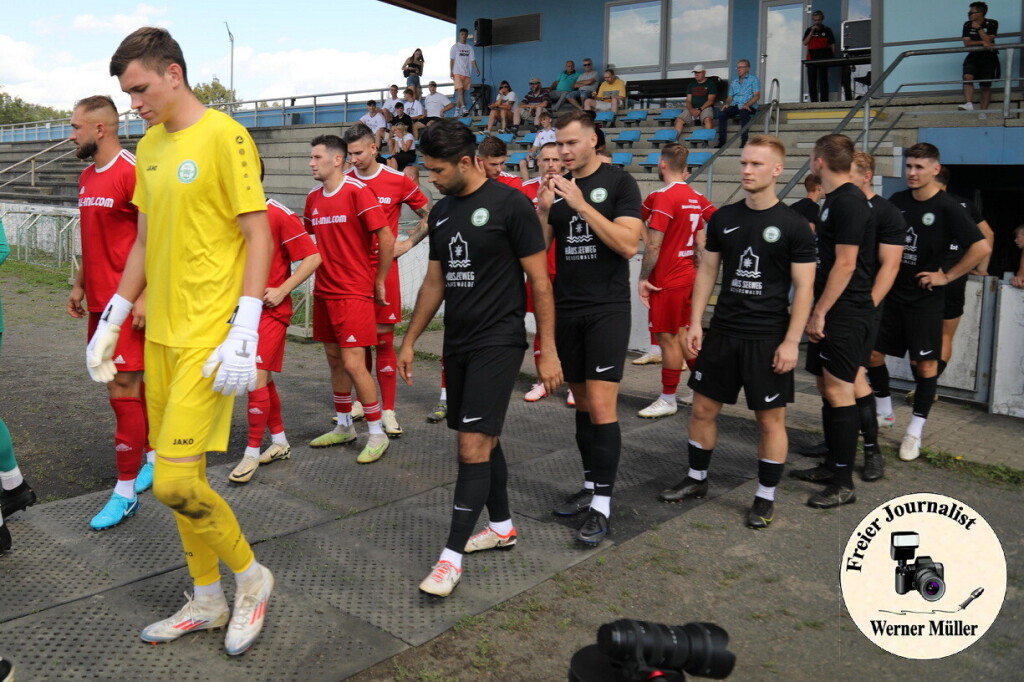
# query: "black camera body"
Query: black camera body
{"points": [[924, 576]]}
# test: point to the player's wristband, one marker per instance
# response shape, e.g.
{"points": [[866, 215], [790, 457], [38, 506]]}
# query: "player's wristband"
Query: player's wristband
{"points": [[247, 313], [117, 310]]}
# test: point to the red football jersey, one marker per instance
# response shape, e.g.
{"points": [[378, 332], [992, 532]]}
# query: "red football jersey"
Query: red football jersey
{"points": [[680, 212], [392, 188], [510, 180], [291, 243], [343, 223], [531, 187], [110, 223]]}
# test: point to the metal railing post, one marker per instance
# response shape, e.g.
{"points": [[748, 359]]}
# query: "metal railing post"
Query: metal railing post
{"points": [[32, 176], [1007, 80], [707, 189], [867, 124]]}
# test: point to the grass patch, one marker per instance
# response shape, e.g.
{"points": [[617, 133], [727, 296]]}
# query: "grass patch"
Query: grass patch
{"points": [[469, 622], [572, 587], [35, 275], [994, 473]]}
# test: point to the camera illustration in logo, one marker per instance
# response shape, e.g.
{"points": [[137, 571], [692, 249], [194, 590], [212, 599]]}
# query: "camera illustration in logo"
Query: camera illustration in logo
{"points": [[924, 575]]}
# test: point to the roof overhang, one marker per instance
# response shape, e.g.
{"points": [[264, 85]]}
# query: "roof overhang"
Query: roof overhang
{"points": [[438, 9]]}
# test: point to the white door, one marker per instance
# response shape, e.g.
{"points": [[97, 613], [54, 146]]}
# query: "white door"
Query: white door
{"points": [[782, 28]]}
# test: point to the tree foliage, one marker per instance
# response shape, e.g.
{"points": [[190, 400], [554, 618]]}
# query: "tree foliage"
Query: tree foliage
{"points": [[215, 94], [16, 110]]}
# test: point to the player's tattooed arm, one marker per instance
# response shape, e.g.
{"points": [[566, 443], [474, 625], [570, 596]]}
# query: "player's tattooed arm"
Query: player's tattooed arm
{"points": [[417, 235], [652, 249], [700, 241]]}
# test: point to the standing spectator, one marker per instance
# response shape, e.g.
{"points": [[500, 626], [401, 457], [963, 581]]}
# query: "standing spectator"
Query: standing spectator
{"points": [[388, 106], [979, 31], [744, 91], [809, 207], [565, 83], [402, 146], [609, 95], [414, 110], [375, 121], [821, 44], [501, 107], [535, 102], [462, 63], [701, 95], [435, 103], [412, 69]]}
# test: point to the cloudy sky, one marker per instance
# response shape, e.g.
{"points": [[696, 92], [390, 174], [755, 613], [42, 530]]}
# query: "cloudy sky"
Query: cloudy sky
{"points": [[58, 52]]}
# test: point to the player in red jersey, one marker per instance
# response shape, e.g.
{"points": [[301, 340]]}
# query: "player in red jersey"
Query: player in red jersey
{"points": [[676, 216], [109, 223], [392, 189], [491, 155], [344, 215], [291, 244]]}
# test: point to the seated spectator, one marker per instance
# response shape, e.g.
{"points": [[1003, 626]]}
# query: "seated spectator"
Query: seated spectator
{"points": [[544, 135], [564, 84], [808, 207], [402, 147], [609, 96], [491, 155], [401, 117], [700, 101], [533, 104], [979, 31], [744, 91], [375, 121], [414, 110], [501, 108], [435, 104], [388, 106], [586, 86]]}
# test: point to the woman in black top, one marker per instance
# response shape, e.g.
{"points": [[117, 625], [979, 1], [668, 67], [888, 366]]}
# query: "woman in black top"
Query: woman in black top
{"points": [[412, 69]]}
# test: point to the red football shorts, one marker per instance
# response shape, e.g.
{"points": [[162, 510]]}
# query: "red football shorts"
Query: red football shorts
{"points": [[128, 354], [270, 350], [348, 322], [392, 312], [670, 309]]}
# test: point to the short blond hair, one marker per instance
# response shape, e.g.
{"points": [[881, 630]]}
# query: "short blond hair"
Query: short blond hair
{"points": [[768, 141]]}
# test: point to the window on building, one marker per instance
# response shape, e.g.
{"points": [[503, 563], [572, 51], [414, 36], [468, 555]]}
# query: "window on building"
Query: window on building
{"points": [[634, 34], [699, 31]]}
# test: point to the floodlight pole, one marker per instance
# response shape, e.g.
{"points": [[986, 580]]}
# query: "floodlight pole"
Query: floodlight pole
{"points": [[231, 37]]}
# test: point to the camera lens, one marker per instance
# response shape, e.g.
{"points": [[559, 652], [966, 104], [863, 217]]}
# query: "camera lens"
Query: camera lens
{"points": [[930, 585], [697, 648]]}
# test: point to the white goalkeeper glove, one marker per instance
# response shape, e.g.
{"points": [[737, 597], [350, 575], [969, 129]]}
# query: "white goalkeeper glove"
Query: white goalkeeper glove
{"points": [[237, 355], [99, 353]]}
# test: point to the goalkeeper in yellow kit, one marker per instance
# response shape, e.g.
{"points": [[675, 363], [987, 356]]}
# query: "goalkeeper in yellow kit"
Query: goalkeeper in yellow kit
{"points": [[202, 253]]}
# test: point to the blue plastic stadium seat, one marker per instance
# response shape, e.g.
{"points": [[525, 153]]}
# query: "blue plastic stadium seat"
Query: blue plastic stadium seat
{"points": [[605, 118], [697, 159], [622, 159], [667, 116], [627, 137], [702, 136], [466, 121], [506, 137], [652, 160], [636, 116], [480, 137], [526, 140], [662, 136], [515, 158]]}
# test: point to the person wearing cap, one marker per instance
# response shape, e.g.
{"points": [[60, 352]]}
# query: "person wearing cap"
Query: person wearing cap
{"points": [[536, 101], [435, 104], [701, 94], [586, 85]]}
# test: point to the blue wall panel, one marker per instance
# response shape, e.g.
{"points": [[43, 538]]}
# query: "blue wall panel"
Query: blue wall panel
{"points": [[995, 146]]}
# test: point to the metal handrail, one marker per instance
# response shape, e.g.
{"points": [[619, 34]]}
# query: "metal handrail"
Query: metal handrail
{"points": [[865, 101], [774, 90], [32, 170]]}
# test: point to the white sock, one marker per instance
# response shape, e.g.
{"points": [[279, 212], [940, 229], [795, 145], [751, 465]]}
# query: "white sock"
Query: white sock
{"points": [[655, 349], [249, 576], [452, 557], [251, 452], [697, 474], [151, 457], [916, 425], [588, 485], [125, 488], [501, 527], [279, 439], [208, 591], [669, 398], [883, 406], [344, 420], [603, 504], [444, 395], [375, 427], [10, 480], [1, 521], [765, 492]]}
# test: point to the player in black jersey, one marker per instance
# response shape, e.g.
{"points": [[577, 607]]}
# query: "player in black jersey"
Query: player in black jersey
{"points": [[593, 213], [483, 237], [912, 318], [763, 247], [808, 206], [839, 325], [890, 231]]}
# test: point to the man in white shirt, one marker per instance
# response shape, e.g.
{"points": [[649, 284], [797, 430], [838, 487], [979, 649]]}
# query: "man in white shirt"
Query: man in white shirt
{"points": [[375, 121], [388, 106], [435, 103], [414, 110], [462, 59]]}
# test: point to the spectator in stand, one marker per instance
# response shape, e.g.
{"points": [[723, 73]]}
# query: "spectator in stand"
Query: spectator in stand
{"points": [[414, 110], [700, 101], [401, 117], [435, 104], [586, 85], [388, 106], [462, 64], [501, 108], [564, 84], [809, 207], [375, 121], [744, 91], [413, 69], [821, 44], [545, 135], [609, 96], [402, 146], [534, 103], [1018, 239], [979, 31]]}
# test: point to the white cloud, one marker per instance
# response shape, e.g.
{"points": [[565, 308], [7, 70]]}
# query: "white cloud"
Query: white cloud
{"points": [[143, 15]]}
